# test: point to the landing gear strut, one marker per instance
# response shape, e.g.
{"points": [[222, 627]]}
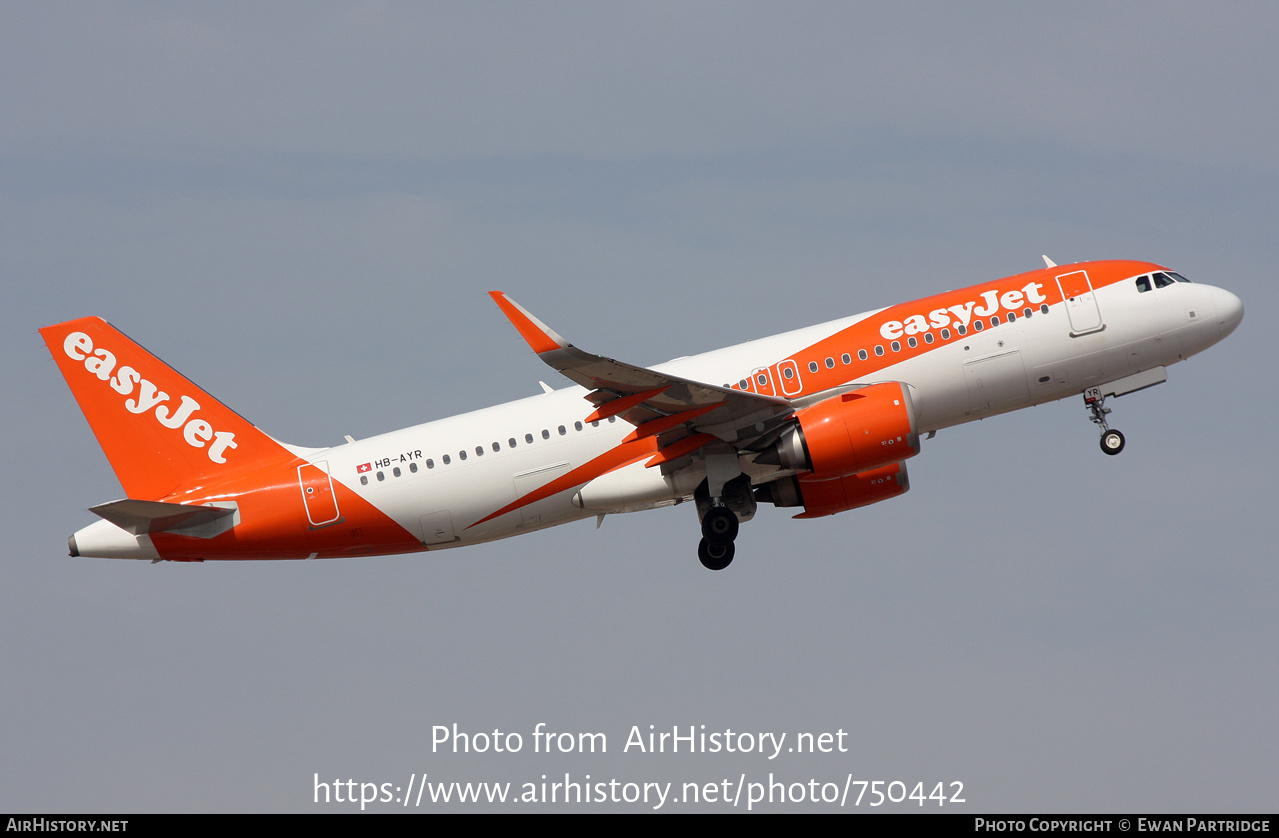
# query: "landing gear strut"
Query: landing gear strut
{"points": [[1112, 442]]}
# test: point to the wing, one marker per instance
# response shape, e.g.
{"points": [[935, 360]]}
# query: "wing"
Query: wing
{"points": [[683, 414]]}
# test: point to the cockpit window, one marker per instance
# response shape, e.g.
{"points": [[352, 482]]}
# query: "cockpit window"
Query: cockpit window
{"points": [[1161, 279]]}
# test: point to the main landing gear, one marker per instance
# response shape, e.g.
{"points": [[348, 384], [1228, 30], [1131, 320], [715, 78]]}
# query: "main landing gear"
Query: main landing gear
{"points": [[719, 529], [1112, 441], [722, 513], [723, 499]]}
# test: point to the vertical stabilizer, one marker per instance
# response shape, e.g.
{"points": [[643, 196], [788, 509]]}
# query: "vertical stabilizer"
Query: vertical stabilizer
{"points": [[160, 432]]}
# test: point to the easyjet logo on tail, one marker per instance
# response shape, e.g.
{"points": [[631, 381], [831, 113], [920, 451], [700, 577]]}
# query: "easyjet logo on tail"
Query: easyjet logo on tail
{"points": [[144, 396]]}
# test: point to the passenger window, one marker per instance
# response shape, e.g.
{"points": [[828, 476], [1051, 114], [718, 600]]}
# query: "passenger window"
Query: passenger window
{"points": [[479, 450], [396, 471], [364, 480], [911, 342], [528, 439], [846, 358], [861, 354], [945, 334], [461, 455], [830, 363], [1043, 308], [547, 434], [812, 366], [562, 430], [994, 321], [1012, 316], [787, 373], [879, 350], [381, 476], [897, 346], [977, 325], [928, 337], [577, 425], [431, 463], [1027, 313], [413, 467], [446, 459], [961, 329], [497, 446], [510, 443]]}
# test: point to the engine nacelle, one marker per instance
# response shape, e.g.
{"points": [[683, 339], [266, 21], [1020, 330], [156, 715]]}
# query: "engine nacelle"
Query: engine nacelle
{"points": [[850, 434], [826, 497]]}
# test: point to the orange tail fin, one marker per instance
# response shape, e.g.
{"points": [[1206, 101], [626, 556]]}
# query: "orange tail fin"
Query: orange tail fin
{"points": [[160, 432]]}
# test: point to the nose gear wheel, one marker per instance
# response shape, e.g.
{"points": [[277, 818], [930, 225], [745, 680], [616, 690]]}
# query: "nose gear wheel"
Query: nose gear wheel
{"points": [[1112, 442]]}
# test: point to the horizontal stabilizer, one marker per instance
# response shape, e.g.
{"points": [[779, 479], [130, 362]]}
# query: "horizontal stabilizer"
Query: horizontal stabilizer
{"points": [[142, 517]]}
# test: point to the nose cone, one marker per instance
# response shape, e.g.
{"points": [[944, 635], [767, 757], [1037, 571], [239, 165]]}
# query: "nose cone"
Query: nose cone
{"points": [[1229, 311]]}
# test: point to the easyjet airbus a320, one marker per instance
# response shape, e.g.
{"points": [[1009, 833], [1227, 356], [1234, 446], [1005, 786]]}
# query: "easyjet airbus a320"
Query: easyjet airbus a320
{"points": [[822, 418]]}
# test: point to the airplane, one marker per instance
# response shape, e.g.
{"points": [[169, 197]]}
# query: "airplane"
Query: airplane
{"points": [[821, 419]]}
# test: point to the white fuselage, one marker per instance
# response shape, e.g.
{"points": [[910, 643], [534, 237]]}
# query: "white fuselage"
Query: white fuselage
{"points": [[440, 478]]}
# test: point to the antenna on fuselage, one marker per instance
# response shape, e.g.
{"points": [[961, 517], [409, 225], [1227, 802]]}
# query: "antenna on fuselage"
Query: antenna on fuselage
{"points": [[1048, 263]]}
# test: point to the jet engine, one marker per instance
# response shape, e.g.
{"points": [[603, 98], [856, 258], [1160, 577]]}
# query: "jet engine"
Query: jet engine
{"points": [[849, 434]]}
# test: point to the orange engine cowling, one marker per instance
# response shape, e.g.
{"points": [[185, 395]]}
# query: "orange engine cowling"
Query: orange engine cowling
{"points": [[849, 434], [826, 497]]}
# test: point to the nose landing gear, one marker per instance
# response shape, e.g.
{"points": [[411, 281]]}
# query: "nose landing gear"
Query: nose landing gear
{"points": [[1112, 441]]}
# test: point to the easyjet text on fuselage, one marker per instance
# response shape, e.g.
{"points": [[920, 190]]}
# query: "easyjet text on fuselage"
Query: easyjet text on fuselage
{"points": [[991, 302]]}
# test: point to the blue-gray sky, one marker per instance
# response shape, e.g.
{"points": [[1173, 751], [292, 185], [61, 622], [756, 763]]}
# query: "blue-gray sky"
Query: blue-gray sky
{"points": [[300, 206]]}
